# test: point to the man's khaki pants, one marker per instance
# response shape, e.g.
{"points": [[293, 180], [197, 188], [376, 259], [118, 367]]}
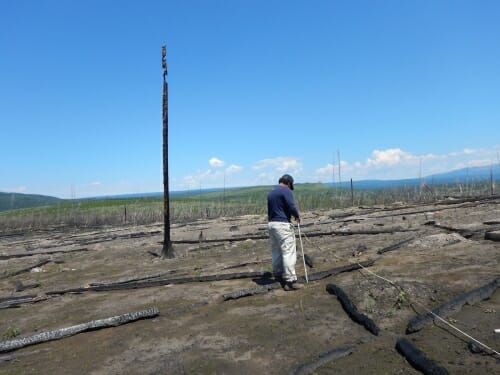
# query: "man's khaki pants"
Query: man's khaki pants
{"points": [[283, 249]]}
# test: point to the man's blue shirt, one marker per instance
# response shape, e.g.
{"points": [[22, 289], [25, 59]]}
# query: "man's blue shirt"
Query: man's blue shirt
{"points": [[280, 204]]}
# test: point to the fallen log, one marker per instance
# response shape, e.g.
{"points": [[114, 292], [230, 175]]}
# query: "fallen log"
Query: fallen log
{"points": [[8, 345], [322, 360], [20, 287], [27, 269], [312, 277], [350, 232], [160, 282], [466, 233], [16, 301], [11, 256], [418, 359], [12, 298], [395, 246], [334, 271], [251, 291], [492, 235], [15, 356], [132, 279], [448, 308], [351, 309]]}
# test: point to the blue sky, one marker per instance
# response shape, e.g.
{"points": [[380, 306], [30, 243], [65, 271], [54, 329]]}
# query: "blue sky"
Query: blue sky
{"points": [[256, 89]]}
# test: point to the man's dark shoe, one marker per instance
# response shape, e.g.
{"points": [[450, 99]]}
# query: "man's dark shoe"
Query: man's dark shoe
{"points": [[292, 285]]}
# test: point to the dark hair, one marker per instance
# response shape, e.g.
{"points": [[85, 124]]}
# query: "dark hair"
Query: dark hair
{"points": [[287, 180]]}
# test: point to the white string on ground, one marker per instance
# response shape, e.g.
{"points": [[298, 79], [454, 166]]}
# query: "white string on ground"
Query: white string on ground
{"points": [[394, 284]]}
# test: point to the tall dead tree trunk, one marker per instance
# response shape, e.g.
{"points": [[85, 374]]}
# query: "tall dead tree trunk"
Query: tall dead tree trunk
{"points": [[167, 250]]}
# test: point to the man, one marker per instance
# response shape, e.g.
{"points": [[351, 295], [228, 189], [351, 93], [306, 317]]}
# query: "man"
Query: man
{"points": [[280, 209]]}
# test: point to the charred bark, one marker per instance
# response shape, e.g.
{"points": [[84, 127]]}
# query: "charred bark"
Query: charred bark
{"points": [[453, 306], [312, 277], [322, 360], [11, 256], [418, 359], [159, 282], [395, 246], [8, 345], [27, 269], [17, 301], [351, 309], [492, 235]]}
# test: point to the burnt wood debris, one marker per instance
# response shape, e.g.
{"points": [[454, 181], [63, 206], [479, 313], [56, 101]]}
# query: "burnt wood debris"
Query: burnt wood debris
{"points": [[418, 359], [321, 360], [57, 334], [312, 277], [351, 309], [453, 306], [265, 283]]}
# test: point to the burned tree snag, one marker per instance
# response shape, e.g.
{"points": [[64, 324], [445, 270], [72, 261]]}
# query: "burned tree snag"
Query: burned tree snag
{"points": [[167, 250]]}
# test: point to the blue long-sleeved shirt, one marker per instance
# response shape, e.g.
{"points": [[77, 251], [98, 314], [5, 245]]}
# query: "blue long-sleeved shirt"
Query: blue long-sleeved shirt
{"points": [[280, 204]]}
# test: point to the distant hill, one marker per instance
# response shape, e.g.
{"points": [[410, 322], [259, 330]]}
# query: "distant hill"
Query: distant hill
{"points": [[9, 201], [464, 175], [467, 175]]}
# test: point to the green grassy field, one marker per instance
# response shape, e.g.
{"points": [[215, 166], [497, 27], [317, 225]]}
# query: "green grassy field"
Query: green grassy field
{"points": [[228, 203]]}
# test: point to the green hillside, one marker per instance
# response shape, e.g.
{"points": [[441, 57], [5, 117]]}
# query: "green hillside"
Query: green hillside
{"points": [[11, 201]]}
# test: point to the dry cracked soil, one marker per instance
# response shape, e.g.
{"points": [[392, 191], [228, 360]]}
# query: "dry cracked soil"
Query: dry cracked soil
{"points": [[441, 252]]}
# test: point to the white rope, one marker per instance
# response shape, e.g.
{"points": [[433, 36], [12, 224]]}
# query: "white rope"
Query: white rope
{"points": [[418, 303], [303, 256]]}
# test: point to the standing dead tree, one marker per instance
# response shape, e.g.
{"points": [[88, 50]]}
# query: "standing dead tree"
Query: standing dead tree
{"points": [[167, 250]]}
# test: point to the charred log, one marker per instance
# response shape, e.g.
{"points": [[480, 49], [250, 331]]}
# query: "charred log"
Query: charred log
{"points": [[8, 345], [312, 277], [322, 360], [395, 246], [159, 282], [17, 301], [351, 309], [27, 269], [453, 306], [418, 359], [492, 235]]}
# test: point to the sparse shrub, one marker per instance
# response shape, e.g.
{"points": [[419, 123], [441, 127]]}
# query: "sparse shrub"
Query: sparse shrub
{"points": [[11, 333]]}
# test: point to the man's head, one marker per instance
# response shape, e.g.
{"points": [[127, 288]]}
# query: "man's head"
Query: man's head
{"points": [[286, 179]]}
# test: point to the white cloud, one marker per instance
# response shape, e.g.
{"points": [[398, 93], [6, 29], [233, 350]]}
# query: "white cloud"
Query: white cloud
{"points": [[216, 163], [326, 170], [233, 169], [392, 156], [280, 164]]}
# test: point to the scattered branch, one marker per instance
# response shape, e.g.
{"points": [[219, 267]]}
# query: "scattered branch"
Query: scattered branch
{"points": [[395, 246], [27, 269], [8, 345], [322, 359]]}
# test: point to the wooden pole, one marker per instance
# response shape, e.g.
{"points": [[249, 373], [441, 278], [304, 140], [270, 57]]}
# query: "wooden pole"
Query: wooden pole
{"points": [[167, 251], [352, 194]]}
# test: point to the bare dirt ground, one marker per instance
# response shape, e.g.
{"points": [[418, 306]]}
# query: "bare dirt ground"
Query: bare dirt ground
{"points": [[198, 332]]}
